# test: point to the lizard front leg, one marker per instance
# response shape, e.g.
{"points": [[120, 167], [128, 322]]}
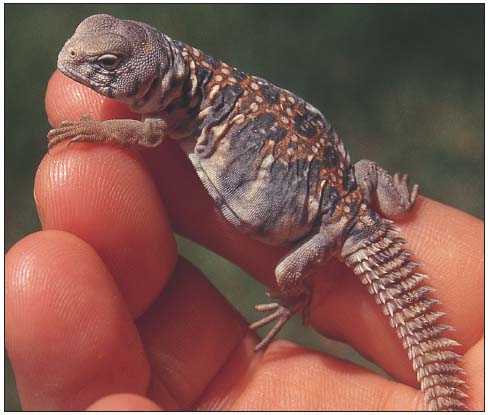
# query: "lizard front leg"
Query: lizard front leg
{"points": [[145, 134], [291, 273]]}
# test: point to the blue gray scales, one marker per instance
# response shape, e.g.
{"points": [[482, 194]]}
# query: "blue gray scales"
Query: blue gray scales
{"points": [[276, 170]]}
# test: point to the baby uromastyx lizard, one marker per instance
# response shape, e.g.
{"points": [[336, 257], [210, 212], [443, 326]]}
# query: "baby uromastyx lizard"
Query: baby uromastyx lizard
{"points": [[276, 169]]}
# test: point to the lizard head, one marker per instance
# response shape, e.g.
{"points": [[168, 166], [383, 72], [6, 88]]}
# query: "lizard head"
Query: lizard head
{"points": [[120, 59]]}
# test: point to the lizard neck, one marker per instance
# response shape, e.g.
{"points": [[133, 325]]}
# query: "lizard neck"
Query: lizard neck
{"points": [[190, 97], [166, 83]]}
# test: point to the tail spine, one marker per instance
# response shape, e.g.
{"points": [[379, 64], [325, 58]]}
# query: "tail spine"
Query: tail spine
{"points": [[386, 270]]}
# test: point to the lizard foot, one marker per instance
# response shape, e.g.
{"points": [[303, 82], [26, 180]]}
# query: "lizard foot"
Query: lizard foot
{"points": [[281, 312], [407, 198], [86, 129], [145, 134], [391, 194]]}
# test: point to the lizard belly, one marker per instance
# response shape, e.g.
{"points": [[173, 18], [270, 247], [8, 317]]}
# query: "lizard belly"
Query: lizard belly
{"points": [[258, 193]]}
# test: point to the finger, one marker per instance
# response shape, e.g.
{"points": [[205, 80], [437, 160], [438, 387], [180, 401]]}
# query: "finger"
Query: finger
{"points": [[348, 312], [341, 307], [105, 196], [288, 377], [202, 342], [69, 335], [123, 402], [188, 333]]}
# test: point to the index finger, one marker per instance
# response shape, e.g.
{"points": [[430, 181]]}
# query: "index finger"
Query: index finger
{"points": [[342, 308]]}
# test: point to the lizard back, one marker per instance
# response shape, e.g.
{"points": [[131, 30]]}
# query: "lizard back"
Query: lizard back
{"points": [[272, 162]]}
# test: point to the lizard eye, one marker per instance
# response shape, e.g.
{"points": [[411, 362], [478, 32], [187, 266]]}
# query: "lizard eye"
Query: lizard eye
{"points": [[108, 61]]}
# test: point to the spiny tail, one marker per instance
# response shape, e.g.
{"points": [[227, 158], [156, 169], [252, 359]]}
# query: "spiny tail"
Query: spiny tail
{"points": [[375, 254]]}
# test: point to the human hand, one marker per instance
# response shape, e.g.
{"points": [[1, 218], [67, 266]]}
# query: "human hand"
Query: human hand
{"points": [[98, 315]]}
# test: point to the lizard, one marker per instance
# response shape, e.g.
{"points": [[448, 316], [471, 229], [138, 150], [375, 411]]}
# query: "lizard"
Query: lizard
{"points": [[277, 170]]}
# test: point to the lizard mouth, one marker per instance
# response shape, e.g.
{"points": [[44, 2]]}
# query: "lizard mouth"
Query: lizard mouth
{"points": [[96, 86]]}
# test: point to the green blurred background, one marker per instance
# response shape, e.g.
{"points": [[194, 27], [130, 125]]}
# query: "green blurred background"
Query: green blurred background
{"points": [[402, 85]]}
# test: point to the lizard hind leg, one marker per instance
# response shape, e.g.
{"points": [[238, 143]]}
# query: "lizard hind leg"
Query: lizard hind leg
{"points": [[291, 273]]}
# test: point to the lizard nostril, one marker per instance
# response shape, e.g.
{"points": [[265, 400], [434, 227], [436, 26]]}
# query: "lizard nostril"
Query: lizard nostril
{"points": [[72, 52]]}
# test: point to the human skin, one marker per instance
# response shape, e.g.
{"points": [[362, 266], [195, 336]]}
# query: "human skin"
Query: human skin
{"points": [[101, 313]]}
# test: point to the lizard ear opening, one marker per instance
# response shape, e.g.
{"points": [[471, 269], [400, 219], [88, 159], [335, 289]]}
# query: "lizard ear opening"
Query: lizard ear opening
{"points": [[109, 61]]}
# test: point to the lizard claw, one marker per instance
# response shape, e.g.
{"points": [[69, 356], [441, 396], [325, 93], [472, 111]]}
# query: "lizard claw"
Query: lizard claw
{"points": [[413, 193], [66, 124], [400, 183], [82, 130], [86, 117], [280, 316], [69, 123], [281, 312]]}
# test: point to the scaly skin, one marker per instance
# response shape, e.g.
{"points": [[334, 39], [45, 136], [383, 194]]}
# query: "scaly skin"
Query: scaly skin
{"points": [[277, 171]]}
